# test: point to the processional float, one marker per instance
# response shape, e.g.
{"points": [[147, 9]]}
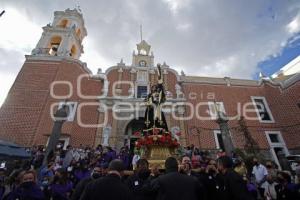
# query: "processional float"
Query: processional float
{"points": [[156, 143]]}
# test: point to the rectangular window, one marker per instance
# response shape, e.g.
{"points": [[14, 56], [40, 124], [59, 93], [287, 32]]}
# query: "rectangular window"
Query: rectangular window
{"points": [[213, 107], [142, 91], [63, 142], [277, 145], [219, 140], [142, 76], [262, 109], [72, 106], [274, 138]]}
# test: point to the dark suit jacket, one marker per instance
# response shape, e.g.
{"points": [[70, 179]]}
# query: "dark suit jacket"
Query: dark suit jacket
{"points": [[109, 187], [136, 184], [80, 187], [176, 186], [234, 187]]}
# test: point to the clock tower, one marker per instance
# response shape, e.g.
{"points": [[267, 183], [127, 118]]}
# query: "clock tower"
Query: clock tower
{"points": [[143, 58]]}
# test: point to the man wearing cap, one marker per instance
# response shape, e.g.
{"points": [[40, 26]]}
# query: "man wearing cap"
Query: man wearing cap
{"points": [[109, 187]]}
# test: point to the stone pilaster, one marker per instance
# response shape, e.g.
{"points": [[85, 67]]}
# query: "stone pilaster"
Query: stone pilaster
{"points": [[152, 76], [98, 137], [183, 136], [165, 74]]}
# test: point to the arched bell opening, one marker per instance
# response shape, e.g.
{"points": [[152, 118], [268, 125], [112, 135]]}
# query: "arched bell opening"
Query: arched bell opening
{"points": [[63, 23], [78, 33], [54, 45], [73, 51]]}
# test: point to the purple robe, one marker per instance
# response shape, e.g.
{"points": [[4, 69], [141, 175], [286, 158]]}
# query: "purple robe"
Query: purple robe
{"points": [[81, 174], [125, 158], [109, 156], [60, 191], [27, 191]]}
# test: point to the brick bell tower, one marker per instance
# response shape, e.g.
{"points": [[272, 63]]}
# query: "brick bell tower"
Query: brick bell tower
{"points": [[63, 37], [25, 115]]}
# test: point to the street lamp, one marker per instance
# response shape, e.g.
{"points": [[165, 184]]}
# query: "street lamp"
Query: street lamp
{"points": [[59, 118], [2, 13]]}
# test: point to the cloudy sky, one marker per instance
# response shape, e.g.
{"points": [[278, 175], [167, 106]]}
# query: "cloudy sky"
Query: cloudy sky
{"points": [[236, 38]]}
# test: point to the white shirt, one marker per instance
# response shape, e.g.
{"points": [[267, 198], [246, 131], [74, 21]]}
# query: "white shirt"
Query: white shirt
{"points": [[135, 159], [270, 191], [259, 172]]}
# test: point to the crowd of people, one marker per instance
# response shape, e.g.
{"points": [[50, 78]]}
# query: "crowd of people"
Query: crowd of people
{"points": [[102, 173]]}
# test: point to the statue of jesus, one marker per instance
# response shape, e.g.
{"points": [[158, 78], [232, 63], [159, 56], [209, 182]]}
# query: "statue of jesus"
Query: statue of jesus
{"points": [[154, 117]]}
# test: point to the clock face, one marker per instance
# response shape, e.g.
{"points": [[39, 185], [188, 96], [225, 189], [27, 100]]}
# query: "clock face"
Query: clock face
{"points": [[142, 63]]}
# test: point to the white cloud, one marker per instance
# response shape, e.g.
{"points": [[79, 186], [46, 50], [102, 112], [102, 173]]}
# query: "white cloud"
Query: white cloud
{"points": [[183, 26], [93, 58], [176, 5], [17, 31], [294, 26], [6, 81]]}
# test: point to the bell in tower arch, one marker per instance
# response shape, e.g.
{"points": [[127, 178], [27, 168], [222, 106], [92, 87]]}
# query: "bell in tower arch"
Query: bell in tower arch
{"points": [[63, 37]]}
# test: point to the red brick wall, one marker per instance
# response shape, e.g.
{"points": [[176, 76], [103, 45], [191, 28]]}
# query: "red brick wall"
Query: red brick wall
{"points": [[88, 113], [284, 103], [20, 113], [25, 116], [283, 107]]}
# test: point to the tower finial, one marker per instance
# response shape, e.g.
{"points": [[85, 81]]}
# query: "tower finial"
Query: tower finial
{"points": [[77, 6], [141, 32]]}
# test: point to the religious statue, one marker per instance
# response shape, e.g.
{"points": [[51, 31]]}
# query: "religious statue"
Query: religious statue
{"points": [[156, 143], [179, 93], [106, 134], [131, 92], [175, 131], [154, 117]]}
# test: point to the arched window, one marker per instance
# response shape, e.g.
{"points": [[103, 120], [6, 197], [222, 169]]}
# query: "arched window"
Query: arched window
{"points": [[73, 51], [54, 45], [78, 33], [143, 52], [63, 23]]}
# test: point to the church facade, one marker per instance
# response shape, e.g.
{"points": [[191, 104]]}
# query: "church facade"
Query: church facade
{"points": [[108, 107]]}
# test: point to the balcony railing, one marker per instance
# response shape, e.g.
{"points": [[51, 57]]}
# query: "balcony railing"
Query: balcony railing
{"points": [[41, 51]]}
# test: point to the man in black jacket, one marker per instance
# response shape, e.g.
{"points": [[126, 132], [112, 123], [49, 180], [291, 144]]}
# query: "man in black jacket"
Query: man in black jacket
{"points": [[109, 187], [138, 180], [234, 187], [175, 186], [80, 187]]}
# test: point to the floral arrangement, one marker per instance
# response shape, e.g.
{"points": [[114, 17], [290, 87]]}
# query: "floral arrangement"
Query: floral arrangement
{"points": [[161, 140]]}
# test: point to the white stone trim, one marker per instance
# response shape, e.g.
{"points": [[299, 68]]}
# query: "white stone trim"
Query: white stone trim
{"points": [[72, 111], [66, 140], [216, 132], [273, 145], [212, 112]]}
